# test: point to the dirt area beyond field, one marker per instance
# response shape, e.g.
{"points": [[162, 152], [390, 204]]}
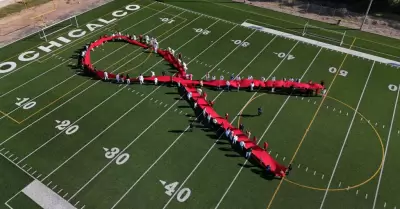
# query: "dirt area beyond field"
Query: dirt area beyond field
{"points": [[377, 26], [19, 25]]}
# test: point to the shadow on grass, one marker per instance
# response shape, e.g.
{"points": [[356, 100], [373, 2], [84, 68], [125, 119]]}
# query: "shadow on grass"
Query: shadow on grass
{"points": [[176, 131], [233, 155]]}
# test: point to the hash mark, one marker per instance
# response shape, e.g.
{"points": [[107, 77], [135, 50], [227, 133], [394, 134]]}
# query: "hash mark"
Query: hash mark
{"points": [[30, 168], [16, 158], [10, 155], [76, 203], [142, 95], [306, 169], [59, 191], [357, 192], [39, 176], [49, 183], [34, 172], [315, 172], [24, 166], [340, 183], [65, 195], [160, 103], [276, 155], [151, 98], [6, 152], [322, 176], [366, 196], [54, 187], [299, 166]]}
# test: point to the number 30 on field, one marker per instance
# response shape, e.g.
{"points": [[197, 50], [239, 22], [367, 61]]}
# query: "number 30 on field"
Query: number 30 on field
{"points": [[113, 152], [341, 72]]}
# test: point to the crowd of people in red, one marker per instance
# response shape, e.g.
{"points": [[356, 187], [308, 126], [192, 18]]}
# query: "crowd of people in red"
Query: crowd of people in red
{"points": [[192, 91]]}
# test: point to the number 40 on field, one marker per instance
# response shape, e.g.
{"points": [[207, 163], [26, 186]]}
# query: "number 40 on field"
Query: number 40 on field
{"points": [[182, 194]]}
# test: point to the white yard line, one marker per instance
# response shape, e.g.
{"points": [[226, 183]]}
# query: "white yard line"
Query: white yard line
{"points": [[263, 134], [90, 87], [346, 137], [386, 148], [98, 173], [69, 46]]}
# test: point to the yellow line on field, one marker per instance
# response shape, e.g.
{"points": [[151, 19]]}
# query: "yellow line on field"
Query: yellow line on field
{"points": [[309, 125], [11, 118], [53, 102]]}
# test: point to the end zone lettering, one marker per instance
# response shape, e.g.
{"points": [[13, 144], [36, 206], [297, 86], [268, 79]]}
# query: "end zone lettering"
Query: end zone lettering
{"points": [[6, 67]]}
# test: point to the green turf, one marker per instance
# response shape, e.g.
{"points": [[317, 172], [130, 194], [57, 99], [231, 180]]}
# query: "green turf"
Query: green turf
{"points": [[147, 122]]}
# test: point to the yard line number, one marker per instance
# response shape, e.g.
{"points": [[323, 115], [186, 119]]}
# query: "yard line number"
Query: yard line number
{"points": [[341, 72], [25, 103], [66, 125], [202, 31], [393, 87], [111, 153], [241, 43], [166, 20], [182, 195], [282, 55]]}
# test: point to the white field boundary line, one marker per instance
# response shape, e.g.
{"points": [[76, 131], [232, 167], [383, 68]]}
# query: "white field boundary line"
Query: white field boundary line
{"points": [[386, 148], [323, 45], [123, 196], [87, 144], [78, 39], [62, 21], [87, 87], [76, 74], [6, 203], [263, 134], [301, 39], [347, 136], [41, 146], [209, 150], [344, 44]]}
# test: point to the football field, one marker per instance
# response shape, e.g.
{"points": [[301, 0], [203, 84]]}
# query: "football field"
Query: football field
{"points": [[101, 145]]}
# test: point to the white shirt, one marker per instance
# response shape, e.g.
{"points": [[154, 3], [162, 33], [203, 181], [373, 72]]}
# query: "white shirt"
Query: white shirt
{"points": [[155, 80], [153, 73], [141, 77]]}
